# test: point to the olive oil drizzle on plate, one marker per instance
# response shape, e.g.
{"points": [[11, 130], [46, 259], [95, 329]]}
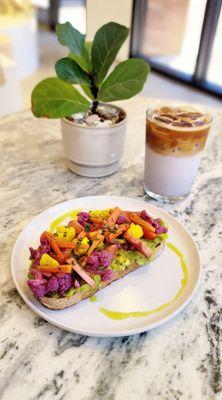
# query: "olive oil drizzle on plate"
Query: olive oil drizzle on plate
{"points": [[72, 214], [93, 299], [118, 315]]}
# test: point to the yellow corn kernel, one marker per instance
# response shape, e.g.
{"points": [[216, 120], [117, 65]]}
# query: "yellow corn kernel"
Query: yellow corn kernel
{"points": [[66, 233], [70, 233], [47, 260], [61, 229], [85, 240], [135, 231]]}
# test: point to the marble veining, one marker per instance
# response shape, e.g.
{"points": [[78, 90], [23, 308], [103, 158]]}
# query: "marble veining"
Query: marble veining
{"points": [[179, 361]]}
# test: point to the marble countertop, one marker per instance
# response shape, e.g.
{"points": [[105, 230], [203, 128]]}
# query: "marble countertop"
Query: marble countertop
{"points": [[179, 361]]}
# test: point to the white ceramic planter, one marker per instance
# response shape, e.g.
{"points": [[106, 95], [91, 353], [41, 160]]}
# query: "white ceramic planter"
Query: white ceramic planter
{"points": [[93, 151]]}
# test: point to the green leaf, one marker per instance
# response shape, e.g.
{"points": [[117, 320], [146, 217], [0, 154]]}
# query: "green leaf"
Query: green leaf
{"points": [[69, 71], [88, 46], [84, 63], [87, 90], [70, 37], [126, 80], [106, 44], [53, 98]]}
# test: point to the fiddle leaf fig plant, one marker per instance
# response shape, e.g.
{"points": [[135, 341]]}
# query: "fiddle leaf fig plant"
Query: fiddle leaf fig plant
{"points": [[87, 65]]}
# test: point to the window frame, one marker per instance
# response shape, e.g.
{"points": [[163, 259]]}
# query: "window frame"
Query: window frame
{"points": [[209, 27]]}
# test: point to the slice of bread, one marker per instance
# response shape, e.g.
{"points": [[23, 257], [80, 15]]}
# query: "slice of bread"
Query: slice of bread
{"points": [[64, 302]]}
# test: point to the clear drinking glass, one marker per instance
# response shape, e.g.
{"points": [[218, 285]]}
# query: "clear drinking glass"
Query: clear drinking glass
{"points": [[175, 140]]}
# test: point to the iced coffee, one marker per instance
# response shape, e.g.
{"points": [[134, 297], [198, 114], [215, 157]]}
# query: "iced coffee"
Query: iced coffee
{"points": [[175, 140]]}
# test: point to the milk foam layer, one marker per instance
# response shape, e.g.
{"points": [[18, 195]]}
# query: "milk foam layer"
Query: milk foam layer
{"points": [[169, 175]]}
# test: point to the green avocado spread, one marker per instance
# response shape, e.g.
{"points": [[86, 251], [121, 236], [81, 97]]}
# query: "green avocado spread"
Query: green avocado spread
{"points": [[123, 260], [126, 257], [85, 287]]}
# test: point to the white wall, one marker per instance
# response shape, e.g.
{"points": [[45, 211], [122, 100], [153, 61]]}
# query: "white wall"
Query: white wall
{"points": [[100, 12]]}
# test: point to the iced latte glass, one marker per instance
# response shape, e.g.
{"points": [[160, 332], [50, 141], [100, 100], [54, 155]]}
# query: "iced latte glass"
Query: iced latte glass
{"points": [[175, 140]]}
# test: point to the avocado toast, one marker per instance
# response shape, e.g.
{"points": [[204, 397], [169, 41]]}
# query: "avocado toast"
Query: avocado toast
{"points": [[94, 249]]}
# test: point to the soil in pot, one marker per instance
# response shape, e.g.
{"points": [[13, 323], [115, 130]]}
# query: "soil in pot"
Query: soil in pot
{"points": [[103, 117]]}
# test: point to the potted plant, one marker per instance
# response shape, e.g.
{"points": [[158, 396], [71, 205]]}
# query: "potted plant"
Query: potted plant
{"points": [[93, 130]]}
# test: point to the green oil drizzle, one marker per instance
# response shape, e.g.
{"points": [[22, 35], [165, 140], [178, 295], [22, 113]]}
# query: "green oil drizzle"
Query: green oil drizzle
{"points": [[93, 299], [118, 315], [72, 214]]}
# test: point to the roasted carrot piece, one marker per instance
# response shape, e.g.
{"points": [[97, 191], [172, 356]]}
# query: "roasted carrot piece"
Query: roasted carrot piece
{"points": [[66, 269], [149, 234], [66, 254], [80, 271], [95, 227], [113, 217], [50, 238], [112, 250], [112, 235], [53, 255], [97, 220], [94, 234], [140, 221], [140, 246], [64, 244], [95, 243], [78, 238], [75, 224]]}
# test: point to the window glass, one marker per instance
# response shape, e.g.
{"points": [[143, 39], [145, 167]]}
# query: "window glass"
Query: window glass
{"points": [[172, 33]]}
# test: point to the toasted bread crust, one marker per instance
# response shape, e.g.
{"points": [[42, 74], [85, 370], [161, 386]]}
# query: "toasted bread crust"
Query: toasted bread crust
{"points": [[64, 302]]}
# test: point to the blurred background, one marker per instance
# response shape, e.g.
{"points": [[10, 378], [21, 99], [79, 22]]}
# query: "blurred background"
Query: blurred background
{"points": [[181, 39]]}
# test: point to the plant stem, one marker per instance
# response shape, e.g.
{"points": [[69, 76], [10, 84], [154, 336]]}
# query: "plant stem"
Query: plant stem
{"points": [[94, 106], [94, 90]]}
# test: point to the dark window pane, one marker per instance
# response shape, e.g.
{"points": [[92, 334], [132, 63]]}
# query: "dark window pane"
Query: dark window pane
{"points": [[214, 74]]}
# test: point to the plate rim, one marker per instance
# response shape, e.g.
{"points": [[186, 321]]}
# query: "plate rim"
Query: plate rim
{"points": [[91, 333]]}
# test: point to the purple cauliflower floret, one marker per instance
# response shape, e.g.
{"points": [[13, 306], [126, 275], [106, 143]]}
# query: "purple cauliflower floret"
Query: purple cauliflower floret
{"points": [[107, 275], [128, 246], [36, 274], [37, 254], [61, 282], [104, 258], [159, 227], [125, 246], [83, 218], [38, 287], [53, 284], [144, 215], [93, 260], [64, 283], [156, 223], [32, 253], [98, 263], [99, 259], [121, 220], [44, 241]]}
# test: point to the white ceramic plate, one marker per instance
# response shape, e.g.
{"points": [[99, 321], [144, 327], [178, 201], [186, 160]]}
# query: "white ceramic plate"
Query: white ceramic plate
{"points": [[145, 289]]}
